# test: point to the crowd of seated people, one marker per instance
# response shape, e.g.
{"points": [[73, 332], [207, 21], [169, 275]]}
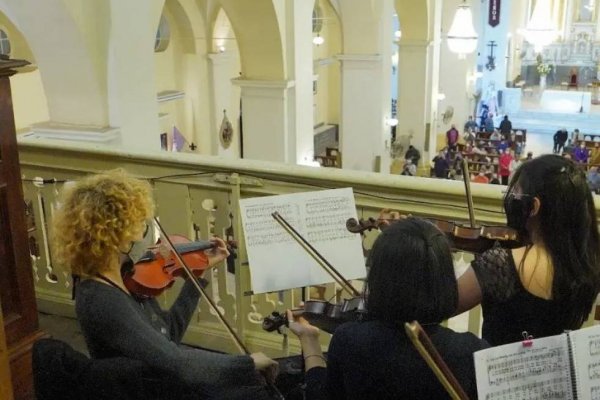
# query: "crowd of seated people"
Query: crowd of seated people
{"points": [[584, 150], [493, 157]]}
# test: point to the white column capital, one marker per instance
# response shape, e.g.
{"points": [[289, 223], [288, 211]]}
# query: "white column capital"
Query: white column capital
{"points": [[220, 58], [414, 45], [359, 60], [265, 89], [263, 84]]}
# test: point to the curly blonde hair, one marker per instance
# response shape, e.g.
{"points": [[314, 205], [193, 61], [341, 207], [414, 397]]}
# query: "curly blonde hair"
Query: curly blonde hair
{"points": [[97, 218]]}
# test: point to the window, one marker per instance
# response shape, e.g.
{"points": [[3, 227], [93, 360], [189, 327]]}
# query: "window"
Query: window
{"points": [[163, 35], [4, 43]]}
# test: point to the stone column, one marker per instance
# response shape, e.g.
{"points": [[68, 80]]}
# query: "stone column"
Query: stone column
{"points": [[363, 118], [265, 120], [414, 93], [299, 60], [131, 77]]}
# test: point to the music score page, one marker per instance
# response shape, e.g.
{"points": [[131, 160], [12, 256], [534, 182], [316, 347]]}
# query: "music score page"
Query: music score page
{"points": [[278, 262], [517, 372]]}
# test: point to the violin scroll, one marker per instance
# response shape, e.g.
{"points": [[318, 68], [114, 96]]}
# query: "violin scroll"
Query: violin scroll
{"points": [[368, 224], [275, 322]]}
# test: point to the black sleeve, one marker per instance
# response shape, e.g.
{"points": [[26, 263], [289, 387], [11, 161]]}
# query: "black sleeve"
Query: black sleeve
{"points": [[179, 315], [336, 388], [496, 274], [316, 384]]}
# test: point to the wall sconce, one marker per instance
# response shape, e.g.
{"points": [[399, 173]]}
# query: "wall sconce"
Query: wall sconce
{"points": [[318, 40], [441, 96], [222, 49]]}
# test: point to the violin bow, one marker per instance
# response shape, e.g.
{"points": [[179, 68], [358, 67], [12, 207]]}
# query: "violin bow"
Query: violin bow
{"points": [[330, 269], [466, 176], [236, 339], [434, 360]]}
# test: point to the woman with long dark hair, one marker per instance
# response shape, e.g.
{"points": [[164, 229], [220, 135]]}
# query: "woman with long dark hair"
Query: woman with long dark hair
{"points": [[549, 284], [411, 278]]}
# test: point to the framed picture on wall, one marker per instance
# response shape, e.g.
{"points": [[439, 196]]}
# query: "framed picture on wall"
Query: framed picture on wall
{"points": [[164, 141]]}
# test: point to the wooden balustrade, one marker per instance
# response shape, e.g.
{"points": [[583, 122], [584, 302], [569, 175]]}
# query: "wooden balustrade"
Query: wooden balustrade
{"points": [[201, 194]]}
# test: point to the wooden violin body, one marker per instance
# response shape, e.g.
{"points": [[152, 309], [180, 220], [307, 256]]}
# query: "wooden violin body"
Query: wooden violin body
{"points": [[462, 237], [322, 314], [155, 272]]}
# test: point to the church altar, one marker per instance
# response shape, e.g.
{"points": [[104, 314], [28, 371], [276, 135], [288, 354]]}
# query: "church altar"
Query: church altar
{"points": [[565, 101]]}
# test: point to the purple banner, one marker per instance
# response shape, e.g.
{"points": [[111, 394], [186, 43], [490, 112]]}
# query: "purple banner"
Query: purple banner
{"points": [[494, 13]]}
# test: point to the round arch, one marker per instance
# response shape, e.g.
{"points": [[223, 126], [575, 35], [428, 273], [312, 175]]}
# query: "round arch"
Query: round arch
{"points": [[68, 71], [257, 31], [414, 19]]}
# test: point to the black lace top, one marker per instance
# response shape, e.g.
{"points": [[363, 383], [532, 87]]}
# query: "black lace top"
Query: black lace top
{"points": [[508, 308]]}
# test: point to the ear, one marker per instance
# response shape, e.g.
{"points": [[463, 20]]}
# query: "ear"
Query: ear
{"points": [[535, 207]]}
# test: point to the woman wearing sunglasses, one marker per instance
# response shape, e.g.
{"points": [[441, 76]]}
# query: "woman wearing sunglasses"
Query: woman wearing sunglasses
{"points": [[551, 283]]}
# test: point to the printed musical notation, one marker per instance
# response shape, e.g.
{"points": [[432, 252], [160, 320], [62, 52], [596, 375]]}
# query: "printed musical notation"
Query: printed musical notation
{"points": [[595, 392], [277, 262], [536, 363], [541, 390], [594, 346], [585, 344], [516, 372]]}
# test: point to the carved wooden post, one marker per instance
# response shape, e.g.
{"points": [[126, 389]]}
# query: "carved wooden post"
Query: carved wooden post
{"points": [[17, 296]]}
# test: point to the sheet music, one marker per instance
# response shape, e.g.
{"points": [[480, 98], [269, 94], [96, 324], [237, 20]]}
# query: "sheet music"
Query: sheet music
{"points": [[515, 372], [278, 262], [586, 353]]}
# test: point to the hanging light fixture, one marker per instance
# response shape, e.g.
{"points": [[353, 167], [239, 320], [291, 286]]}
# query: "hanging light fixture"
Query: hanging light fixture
{"points": [[318, 40], [540, 30], [462, 38]]}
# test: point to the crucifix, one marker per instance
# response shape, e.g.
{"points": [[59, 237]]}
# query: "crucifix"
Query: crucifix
{"points": [[491, 65]]}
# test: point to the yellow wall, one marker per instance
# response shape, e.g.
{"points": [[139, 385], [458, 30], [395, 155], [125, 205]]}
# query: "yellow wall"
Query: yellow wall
{"points": [[29, 100], [327, 99]]}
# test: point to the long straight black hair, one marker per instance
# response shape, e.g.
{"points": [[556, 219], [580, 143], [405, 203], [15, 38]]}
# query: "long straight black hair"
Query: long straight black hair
{"points": [[568, 229], [411, 275]]}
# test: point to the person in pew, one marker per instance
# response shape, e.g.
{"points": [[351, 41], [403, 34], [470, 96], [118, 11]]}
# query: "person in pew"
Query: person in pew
{"points": [[593, 179], [595, 154], [581, 153], [101, 225], [560, 138], [470, 125], [551, 282], [505, 128], [411, 278]]}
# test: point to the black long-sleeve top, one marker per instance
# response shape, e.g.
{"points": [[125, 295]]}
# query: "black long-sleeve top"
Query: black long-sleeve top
{"points": [[373, 360]]}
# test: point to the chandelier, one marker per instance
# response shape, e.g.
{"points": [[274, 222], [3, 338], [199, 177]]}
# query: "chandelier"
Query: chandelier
{"points": [[540, 30], [462, 38]]}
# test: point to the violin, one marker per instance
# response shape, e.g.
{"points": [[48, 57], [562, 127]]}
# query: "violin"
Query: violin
{"points": [[156, 270], [324, 315], [473, 239], [465, 237]]}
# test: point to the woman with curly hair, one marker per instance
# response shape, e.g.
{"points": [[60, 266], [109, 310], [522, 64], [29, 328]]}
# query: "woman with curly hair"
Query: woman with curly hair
{"points": [[99, 220]]}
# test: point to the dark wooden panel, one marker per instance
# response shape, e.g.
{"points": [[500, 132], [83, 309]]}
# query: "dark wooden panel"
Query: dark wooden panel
{"points": [[8, 279], [16, 280]]}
